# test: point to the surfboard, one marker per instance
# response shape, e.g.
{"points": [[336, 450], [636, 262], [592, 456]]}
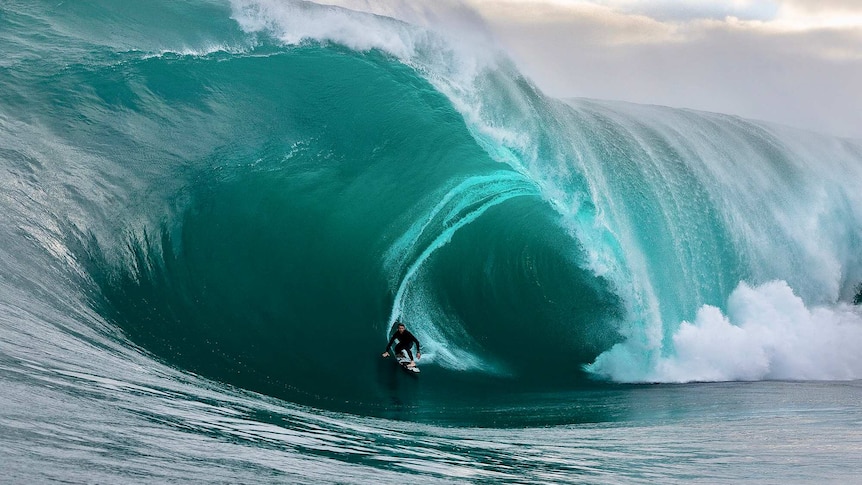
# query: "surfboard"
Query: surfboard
{"points": [[403, 361]]}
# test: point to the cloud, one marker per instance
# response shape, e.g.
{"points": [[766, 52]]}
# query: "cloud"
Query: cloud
{"points": [[593, 23], [814, 6], [786, 67], [697, 9]]}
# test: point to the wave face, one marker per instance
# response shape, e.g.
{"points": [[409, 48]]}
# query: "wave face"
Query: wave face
{"points": [[255, 192]]}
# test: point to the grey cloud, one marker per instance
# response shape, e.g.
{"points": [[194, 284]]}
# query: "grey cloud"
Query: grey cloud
{"points": [[805, 79], [681, 11], [826, 5]]}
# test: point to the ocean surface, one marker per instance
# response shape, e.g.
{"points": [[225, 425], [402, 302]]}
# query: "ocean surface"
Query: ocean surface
{"points": [[212, 212]]}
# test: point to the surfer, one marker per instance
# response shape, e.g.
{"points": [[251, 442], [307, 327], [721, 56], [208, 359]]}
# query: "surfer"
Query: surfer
{"points": [[405, 343]]}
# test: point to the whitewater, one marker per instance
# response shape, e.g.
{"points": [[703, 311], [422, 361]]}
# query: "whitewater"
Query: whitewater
{"points": [[214, 211]]}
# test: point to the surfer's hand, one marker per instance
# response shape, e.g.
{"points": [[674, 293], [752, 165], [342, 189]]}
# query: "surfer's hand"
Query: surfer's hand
{"points": [[385, 354], [418, 355]]}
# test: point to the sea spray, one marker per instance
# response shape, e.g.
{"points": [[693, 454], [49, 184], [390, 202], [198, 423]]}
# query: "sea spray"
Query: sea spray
{"points": [[767, 332]]}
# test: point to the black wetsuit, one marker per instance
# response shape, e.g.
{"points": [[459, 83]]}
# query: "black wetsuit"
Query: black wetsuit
{"points": [[405, 342]]}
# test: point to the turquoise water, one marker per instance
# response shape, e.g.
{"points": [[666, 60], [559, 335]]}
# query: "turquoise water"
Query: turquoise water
{"points": [[214, 211]]}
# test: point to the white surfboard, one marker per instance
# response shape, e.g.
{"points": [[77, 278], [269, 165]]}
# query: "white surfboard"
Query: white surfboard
{"points": [[403, 361]]}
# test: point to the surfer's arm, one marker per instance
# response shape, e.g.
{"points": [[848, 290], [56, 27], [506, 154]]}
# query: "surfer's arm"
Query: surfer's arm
{"points": [[389, 345]]}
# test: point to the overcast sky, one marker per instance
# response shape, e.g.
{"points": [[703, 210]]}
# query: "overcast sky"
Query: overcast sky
{"points": [[795, 62]]}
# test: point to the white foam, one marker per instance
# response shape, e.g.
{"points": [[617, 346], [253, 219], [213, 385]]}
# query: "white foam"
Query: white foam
{"points": [[295, 22], [201, 51], [767, 333]]}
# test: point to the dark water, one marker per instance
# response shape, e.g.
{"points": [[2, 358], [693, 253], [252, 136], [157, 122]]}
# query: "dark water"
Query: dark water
{"points": [[212, 212]]}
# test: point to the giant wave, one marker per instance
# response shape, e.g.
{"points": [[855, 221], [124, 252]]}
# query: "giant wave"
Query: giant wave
{"points": [[258, 198]]}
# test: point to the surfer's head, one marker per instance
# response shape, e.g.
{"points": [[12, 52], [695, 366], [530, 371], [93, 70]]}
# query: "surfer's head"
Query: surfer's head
{"points": [[400, 327]]}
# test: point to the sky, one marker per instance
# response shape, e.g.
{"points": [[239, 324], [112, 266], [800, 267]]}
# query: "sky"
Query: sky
{"points": [[794, 62]]}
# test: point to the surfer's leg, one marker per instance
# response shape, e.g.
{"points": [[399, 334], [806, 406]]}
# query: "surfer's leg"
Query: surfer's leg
{"points": [[409, 356], [402, 350]]}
